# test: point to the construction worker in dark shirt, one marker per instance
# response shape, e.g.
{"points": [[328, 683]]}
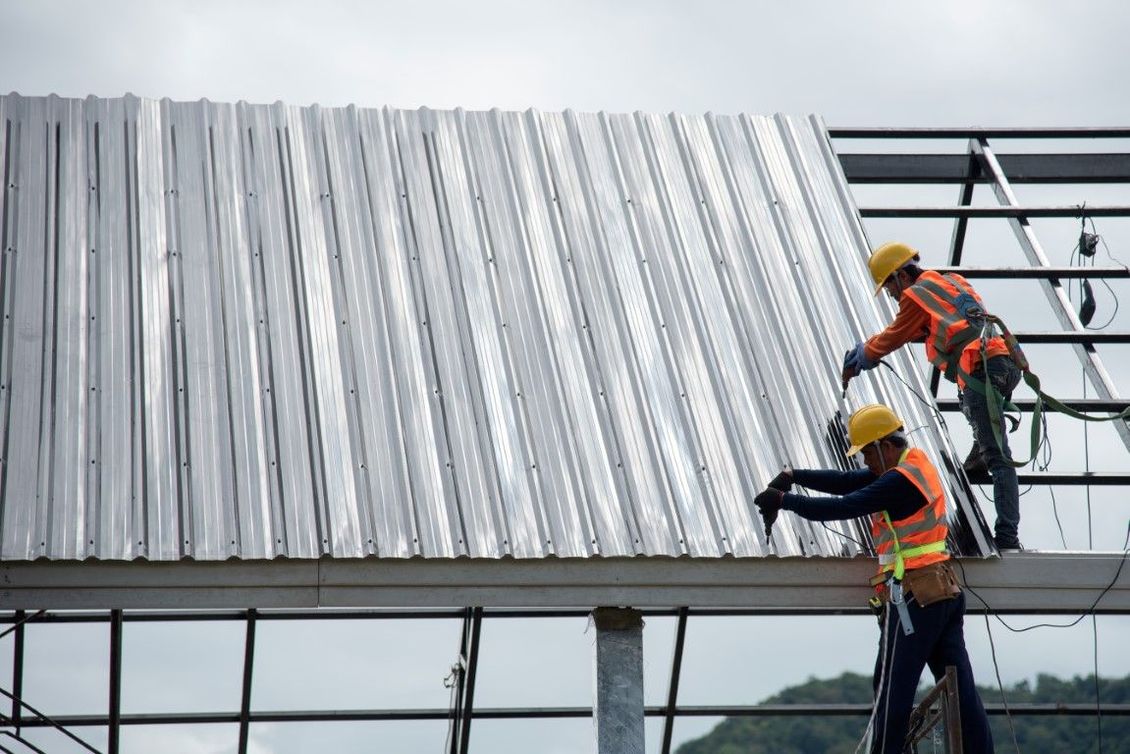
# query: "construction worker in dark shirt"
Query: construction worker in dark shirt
{"points": [[935, 309], [902, 494]]}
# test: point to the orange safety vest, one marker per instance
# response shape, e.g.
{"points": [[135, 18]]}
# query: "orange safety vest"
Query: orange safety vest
{"points": [[953, 343], [919, 539]]}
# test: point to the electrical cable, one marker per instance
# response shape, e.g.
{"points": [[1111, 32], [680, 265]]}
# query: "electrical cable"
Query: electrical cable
{"points": [[930, 406], [885, 681], [845, 536], [1000, 683], [1058, 523], [1042, 461], [1103, 280], [1089, 611], [869, 730], [1102, 240]]}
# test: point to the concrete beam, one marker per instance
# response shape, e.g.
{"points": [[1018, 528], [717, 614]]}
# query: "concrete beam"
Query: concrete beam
{"points": [[1027, 581]]}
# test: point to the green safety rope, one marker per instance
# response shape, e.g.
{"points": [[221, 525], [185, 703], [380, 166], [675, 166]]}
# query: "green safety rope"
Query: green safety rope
{"points": [[998, 405]]}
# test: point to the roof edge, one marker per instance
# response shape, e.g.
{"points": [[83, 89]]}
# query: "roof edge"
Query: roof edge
{"points": [[1021, 582]]}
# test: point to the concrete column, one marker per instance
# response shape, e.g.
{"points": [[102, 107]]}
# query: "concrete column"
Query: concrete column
{"points": [[618, 677]]}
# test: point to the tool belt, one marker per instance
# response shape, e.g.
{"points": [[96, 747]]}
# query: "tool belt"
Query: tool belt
{"points": [[927, 585]]}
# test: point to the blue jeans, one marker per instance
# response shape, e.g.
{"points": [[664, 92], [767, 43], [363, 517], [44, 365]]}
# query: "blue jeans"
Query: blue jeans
{"points": [[938, 640], [1004, 376]]}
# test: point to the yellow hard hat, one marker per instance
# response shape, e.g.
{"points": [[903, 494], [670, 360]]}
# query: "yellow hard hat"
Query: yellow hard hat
{"points": [[871, 423], [886, 259]]}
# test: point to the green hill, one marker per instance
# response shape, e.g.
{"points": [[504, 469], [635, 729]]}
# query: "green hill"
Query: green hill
{"points": [[1046, 734]]}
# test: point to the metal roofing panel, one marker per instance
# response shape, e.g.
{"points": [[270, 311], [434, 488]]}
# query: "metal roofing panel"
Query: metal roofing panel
{"points": [[259, 331]]}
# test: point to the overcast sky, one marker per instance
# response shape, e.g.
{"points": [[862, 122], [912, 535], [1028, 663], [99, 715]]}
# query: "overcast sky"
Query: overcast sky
{"points": [[1008, 62], [869, 62]]}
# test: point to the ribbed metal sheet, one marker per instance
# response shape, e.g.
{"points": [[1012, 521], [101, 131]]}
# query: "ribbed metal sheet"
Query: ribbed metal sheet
{"points": [[256, 331]]}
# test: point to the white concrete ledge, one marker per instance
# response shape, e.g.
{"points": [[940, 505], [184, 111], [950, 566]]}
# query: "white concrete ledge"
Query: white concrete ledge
{"points": [[1028, 581]]}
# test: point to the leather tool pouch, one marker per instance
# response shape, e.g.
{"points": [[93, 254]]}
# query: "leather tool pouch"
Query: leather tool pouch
{"points": [[930, 584]]}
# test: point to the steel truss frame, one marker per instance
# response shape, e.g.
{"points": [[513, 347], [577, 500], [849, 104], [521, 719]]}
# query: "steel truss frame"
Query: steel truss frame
{"points": [[979, 164], [462, 711]]}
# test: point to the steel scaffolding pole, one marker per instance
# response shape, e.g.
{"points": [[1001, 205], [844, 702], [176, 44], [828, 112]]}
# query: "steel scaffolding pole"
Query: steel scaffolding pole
{"points": [[465, 671], [673, 687], [115, 702], [248, 672]]}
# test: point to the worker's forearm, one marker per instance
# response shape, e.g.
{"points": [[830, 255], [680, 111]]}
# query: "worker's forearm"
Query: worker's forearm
{"points": [[818, 508], [891, 492], [909, 325], [833, 481]]}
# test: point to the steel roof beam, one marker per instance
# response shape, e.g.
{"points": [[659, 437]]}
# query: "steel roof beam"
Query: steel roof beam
{"points": [[1035, 709], [982, 133], [1009, 211], [1113, 167], [1086, 478], [1037, 273]]}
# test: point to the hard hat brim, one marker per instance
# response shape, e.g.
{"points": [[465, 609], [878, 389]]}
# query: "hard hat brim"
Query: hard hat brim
{"points": [[855, 449]]}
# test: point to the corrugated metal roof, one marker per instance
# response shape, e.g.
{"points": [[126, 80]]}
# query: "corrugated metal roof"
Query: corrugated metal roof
{"points": [[256, 331]]}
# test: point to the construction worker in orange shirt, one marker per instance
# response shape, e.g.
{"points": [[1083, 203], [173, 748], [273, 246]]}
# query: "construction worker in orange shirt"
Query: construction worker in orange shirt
{"points": [[936, 309]]}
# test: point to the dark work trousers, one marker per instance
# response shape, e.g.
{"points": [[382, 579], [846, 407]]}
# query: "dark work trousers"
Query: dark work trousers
{"points": [[1004, 375], [938, 640]]}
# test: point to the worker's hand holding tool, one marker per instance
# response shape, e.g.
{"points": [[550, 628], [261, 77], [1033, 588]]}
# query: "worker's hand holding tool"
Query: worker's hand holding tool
{"points": [[769, 504], [783, 481], [856, 362]]}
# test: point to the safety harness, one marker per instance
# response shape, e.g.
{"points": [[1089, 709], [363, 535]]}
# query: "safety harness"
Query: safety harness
{"points": [[961, 320]]}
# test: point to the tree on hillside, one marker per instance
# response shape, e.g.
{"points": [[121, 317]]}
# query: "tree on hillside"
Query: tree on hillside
{"points": [[1035, 734]]}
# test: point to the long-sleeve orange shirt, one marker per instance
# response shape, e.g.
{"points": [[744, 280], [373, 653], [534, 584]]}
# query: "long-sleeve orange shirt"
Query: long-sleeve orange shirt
{"points": [[910, 325]]}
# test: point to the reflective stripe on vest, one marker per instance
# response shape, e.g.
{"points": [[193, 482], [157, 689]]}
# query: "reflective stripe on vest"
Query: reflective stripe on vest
{"points": [[950, 332], [919, 539], [911, 552]]}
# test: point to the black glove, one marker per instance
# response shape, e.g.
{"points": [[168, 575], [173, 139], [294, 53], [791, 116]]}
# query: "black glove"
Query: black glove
{"points": [[769, 504], [782, 482]]}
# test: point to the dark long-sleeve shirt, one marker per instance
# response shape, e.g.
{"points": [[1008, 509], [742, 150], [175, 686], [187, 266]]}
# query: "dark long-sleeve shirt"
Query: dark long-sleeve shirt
{"points": [[857, 493]]}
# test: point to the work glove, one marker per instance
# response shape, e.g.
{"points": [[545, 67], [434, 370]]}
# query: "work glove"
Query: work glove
{"points": [[769, 505], [783, 481], [855, 362]]}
